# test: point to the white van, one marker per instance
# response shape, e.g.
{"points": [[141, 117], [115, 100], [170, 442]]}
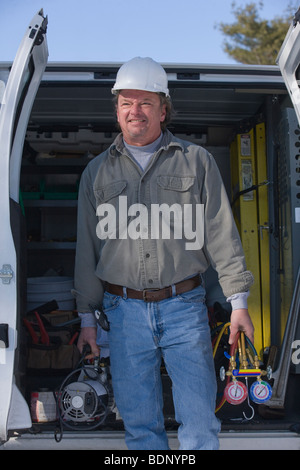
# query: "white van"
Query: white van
{"points": [[54, 118]]}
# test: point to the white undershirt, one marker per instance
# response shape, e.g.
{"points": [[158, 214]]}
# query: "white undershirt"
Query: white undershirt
{"points": [[143, 154]]}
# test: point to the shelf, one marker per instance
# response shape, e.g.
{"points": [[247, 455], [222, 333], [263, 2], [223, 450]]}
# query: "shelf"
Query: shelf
{"points": [[51, 245], [55, 167], [43, 203]]}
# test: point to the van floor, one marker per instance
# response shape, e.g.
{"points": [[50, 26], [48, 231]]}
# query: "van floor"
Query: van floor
{"points": [[231, 417]]}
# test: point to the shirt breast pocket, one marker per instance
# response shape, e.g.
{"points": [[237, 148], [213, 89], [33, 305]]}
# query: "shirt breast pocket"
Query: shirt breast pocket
{"points": [[110, 193], [176, 189], [110, 200]]}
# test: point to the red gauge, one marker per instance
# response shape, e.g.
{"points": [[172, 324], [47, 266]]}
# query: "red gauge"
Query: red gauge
{"points": [[235, 392]]}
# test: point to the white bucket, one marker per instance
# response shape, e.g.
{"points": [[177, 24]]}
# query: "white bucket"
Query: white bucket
{"points": [[41, 290]]}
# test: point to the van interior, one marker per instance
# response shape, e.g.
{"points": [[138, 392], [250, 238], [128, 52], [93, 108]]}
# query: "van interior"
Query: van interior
{"points": [[72, 121]]}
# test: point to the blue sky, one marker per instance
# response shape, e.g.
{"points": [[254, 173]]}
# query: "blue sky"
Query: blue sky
{"points": [[169, 31]]}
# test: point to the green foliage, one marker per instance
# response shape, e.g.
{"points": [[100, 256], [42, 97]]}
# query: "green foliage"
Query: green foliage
{"points": [[252, 40]]}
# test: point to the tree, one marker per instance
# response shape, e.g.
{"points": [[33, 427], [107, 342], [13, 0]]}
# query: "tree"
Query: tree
{"points": [[253, 40]]}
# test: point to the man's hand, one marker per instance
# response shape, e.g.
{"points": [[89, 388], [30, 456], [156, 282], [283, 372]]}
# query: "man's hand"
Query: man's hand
{"points": [[241, 321], [88, 336]]}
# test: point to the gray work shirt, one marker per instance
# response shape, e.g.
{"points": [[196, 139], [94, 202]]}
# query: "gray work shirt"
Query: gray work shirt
{"points": [[118, 240]]}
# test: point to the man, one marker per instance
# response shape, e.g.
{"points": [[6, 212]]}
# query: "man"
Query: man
{"points": [[153, 215]]}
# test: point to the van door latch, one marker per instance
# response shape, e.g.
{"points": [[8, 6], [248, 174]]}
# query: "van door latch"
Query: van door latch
{"points": [[4, 343], [6, 274]]}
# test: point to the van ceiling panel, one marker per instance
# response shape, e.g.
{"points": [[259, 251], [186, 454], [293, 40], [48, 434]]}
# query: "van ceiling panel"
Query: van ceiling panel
{"points": [[207, 105], [69, 105], [91, 105], [70, 101]]}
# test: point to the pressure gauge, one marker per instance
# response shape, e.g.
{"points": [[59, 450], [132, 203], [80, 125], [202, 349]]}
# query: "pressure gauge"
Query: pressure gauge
{"points": [[260, 391], [235, 392]]}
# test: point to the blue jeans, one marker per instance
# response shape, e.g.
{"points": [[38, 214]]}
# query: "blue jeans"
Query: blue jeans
{"points": [[141, 333]]}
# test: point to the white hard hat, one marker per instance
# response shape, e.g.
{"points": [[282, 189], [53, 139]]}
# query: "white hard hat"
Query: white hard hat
{"points": [[141, 73]]}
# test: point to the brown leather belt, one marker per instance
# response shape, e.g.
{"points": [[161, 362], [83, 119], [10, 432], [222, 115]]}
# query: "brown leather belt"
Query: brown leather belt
{"points": [[155, 295]]}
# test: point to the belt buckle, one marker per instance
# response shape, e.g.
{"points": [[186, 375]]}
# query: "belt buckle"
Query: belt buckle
{"points": [[145, 291]]}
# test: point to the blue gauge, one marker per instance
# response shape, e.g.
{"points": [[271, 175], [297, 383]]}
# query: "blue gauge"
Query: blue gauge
{"points": [[260, 392]]}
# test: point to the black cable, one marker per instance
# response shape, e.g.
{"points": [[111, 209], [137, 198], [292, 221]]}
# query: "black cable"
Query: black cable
{"points": [[254, 187]]}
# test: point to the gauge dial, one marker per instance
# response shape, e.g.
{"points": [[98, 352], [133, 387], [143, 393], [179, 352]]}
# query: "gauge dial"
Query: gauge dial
{"points": [[235, 392], [260, 391]]}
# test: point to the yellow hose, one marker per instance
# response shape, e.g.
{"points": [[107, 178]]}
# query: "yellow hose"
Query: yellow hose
{"points": [[214, 353], [219, 338]]}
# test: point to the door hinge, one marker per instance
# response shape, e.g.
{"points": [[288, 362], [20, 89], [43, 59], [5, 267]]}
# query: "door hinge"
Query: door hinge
{"points": [[6, 273]]}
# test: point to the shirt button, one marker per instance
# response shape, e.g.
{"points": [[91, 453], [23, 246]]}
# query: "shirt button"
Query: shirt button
{"points": [[148, 255]]}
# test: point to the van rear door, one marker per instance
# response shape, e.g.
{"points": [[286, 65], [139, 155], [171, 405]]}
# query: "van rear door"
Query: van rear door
{"points": [[289, 62], [17, 92]]}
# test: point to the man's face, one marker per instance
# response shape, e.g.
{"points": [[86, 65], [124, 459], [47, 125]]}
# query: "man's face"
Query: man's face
{"points": [[139, 115]]}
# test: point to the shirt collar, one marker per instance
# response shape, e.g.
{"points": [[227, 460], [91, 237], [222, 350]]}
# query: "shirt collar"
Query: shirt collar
{"points": [[168, 140]]}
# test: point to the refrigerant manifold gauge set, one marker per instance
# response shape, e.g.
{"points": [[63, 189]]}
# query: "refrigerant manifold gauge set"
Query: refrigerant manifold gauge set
{"points": [[244, 364]]}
